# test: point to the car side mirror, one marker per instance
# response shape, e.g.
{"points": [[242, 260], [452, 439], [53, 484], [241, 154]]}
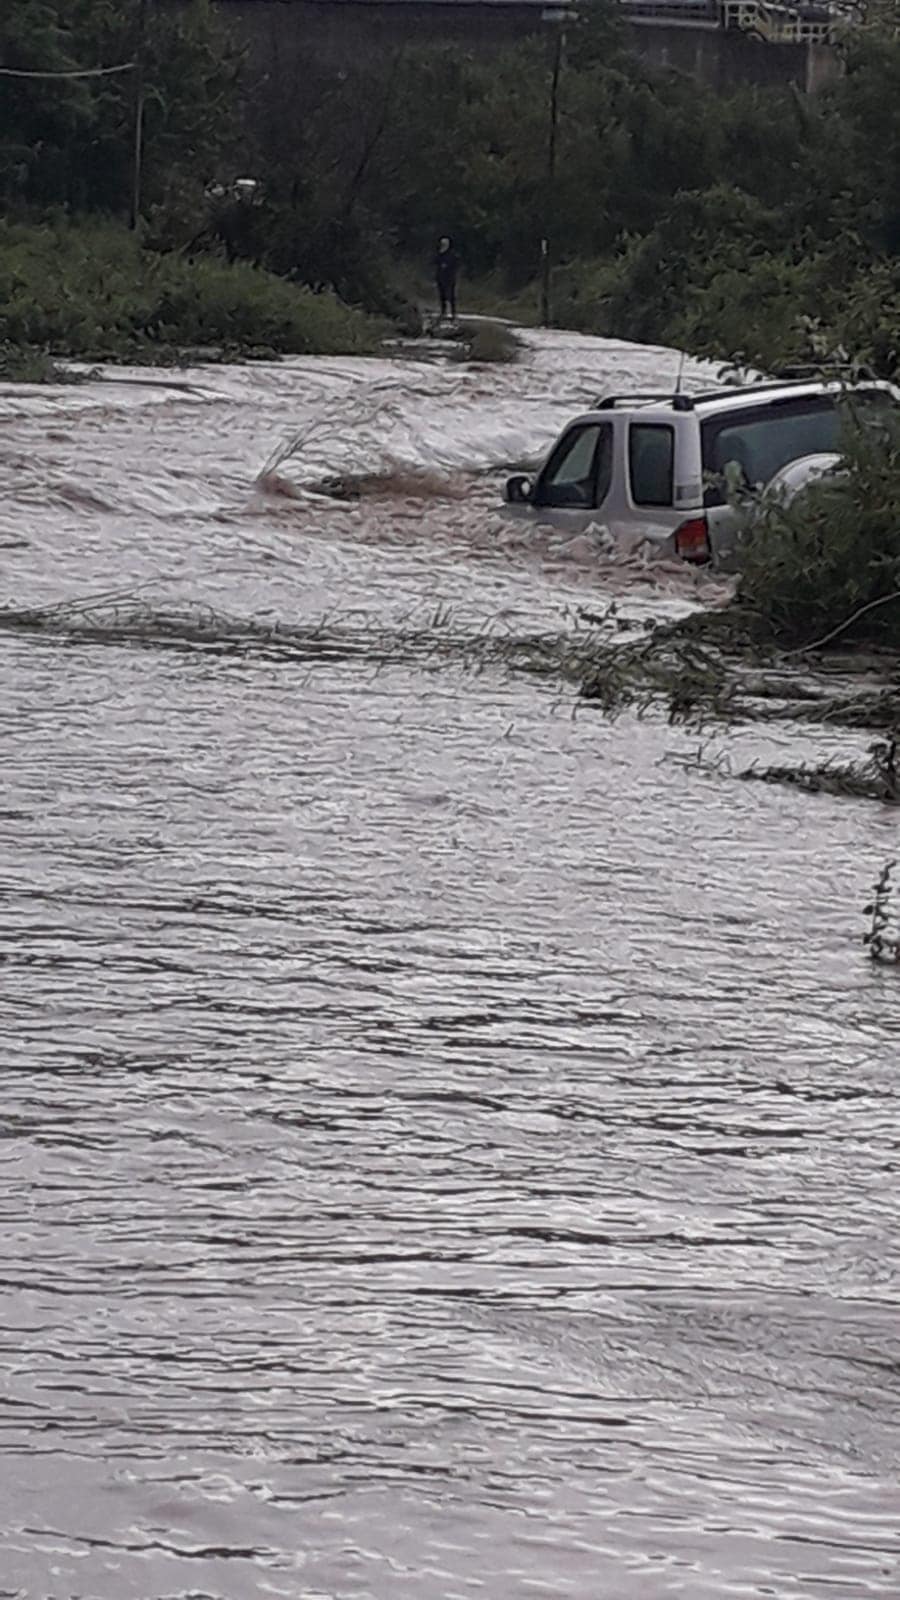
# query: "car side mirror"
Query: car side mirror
{"points": [[519, 490]]}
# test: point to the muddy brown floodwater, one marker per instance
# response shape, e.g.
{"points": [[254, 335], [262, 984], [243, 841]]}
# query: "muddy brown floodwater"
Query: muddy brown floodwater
{"points": [[449, 1148]]}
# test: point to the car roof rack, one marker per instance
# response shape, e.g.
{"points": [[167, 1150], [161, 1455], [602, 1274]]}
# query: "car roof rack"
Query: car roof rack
{"points": [[796, 376], [679, 401], [767, 386], [686, 401]]}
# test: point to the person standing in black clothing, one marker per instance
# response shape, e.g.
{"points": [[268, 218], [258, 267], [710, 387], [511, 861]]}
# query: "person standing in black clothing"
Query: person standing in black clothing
{"points": [[446, 268]]}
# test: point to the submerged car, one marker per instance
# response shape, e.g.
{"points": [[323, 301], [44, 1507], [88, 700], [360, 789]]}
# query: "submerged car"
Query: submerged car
{"points": [[653, 469]]}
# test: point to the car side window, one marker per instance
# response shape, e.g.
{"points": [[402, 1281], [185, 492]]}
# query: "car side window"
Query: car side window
{"points": [[579, 472], [762, 440], [651, 457]]}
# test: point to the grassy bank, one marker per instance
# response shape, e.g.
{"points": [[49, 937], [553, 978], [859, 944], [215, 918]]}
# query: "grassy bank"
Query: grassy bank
{"points": [[91, 291]]}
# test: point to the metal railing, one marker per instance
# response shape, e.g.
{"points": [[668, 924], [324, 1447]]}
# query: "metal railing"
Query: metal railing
{"points": [[766, 20], [695, 13], [779, 24]]}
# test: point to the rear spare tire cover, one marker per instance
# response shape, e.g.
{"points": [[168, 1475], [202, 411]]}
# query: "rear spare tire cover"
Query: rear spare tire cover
{"points": [[798, 475]]}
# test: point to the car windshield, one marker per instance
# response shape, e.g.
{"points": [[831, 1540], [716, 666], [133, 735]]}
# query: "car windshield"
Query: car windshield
{"points": [[763, 439]]}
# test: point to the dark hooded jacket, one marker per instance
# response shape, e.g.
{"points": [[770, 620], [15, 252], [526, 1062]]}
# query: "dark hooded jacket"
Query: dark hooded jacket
{"points": [[446, 266]]}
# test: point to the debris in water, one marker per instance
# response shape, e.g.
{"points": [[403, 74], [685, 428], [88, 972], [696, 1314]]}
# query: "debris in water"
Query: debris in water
{"points": [[878, 778], [882, 946]]}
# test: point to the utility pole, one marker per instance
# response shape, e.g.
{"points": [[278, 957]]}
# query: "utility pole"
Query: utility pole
{"points": [[138, 149], [558, 17], [551, 163]]}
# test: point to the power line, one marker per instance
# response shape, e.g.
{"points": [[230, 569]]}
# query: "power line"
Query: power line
{"points": [[85, 72]]}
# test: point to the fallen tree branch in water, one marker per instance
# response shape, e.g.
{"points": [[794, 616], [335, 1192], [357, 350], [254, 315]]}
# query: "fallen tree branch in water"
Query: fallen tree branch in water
{"points": [[711, 667], [877, 778], [882, 946], [348, 415], [703, 670], [433, 639], [819, 644]]}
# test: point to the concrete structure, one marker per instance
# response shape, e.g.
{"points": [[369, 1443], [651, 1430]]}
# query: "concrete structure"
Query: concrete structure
{"points": [[722, 43]]}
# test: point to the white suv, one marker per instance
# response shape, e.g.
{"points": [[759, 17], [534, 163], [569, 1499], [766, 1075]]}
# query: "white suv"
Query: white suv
{"points": [[651, 468]]}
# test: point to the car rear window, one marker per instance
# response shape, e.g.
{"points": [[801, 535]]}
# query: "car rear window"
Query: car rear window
{"points": [[651, 453], [763, 439]]}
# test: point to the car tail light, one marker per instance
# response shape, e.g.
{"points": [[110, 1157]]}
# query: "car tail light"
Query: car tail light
{"points": [[692, 540]]}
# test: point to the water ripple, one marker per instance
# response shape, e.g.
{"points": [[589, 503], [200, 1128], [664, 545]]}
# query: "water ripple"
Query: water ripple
{"points": [[447, 1148]]}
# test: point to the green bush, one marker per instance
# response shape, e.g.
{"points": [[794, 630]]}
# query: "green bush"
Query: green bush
{"points": [[23, 365], [92, 291], [713, 277], [582, 292], [492, 342], [829, 562]]}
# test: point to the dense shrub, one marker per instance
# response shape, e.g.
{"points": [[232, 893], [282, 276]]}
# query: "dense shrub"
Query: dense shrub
{"points": [[491, 342], [831, 559], [92, 290]]}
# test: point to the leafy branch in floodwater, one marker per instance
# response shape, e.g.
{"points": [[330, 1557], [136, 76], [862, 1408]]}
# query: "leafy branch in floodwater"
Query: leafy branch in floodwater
{"points": [[712, 666], [700, 671], [429, 639], [882, 946], [877, 778], [345, 417]]}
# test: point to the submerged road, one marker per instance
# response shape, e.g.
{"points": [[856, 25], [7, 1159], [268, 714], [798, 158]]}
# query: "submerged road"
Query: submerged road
{"points": [[449, 1149]]}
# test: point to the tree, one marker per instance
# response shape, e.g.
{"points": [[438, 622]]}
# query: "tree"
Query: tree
{"points": [[68, 141]]}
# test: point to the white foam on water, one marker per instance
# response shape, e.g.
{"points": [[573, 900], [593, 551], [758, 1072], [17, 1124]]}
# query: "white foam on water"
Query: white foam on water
{"points": [[137, 472], [382, 416]]}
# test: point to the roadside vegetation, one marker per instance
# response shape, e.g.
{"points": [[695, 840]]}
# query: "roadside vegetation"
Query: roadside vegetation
{"points": [[74, 280], [92, 291], [761, 225], [824, 571]]}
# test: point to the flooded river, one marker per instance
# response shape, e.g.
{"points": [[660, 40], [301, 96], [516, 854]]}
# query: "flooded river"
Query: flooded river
{"points": [[449, 1146]]}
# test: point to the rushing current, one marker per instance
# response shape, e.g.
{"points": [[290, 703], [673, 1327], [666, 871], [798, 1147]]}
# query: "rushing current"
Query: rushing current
{"points": [[450, 1140]]}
